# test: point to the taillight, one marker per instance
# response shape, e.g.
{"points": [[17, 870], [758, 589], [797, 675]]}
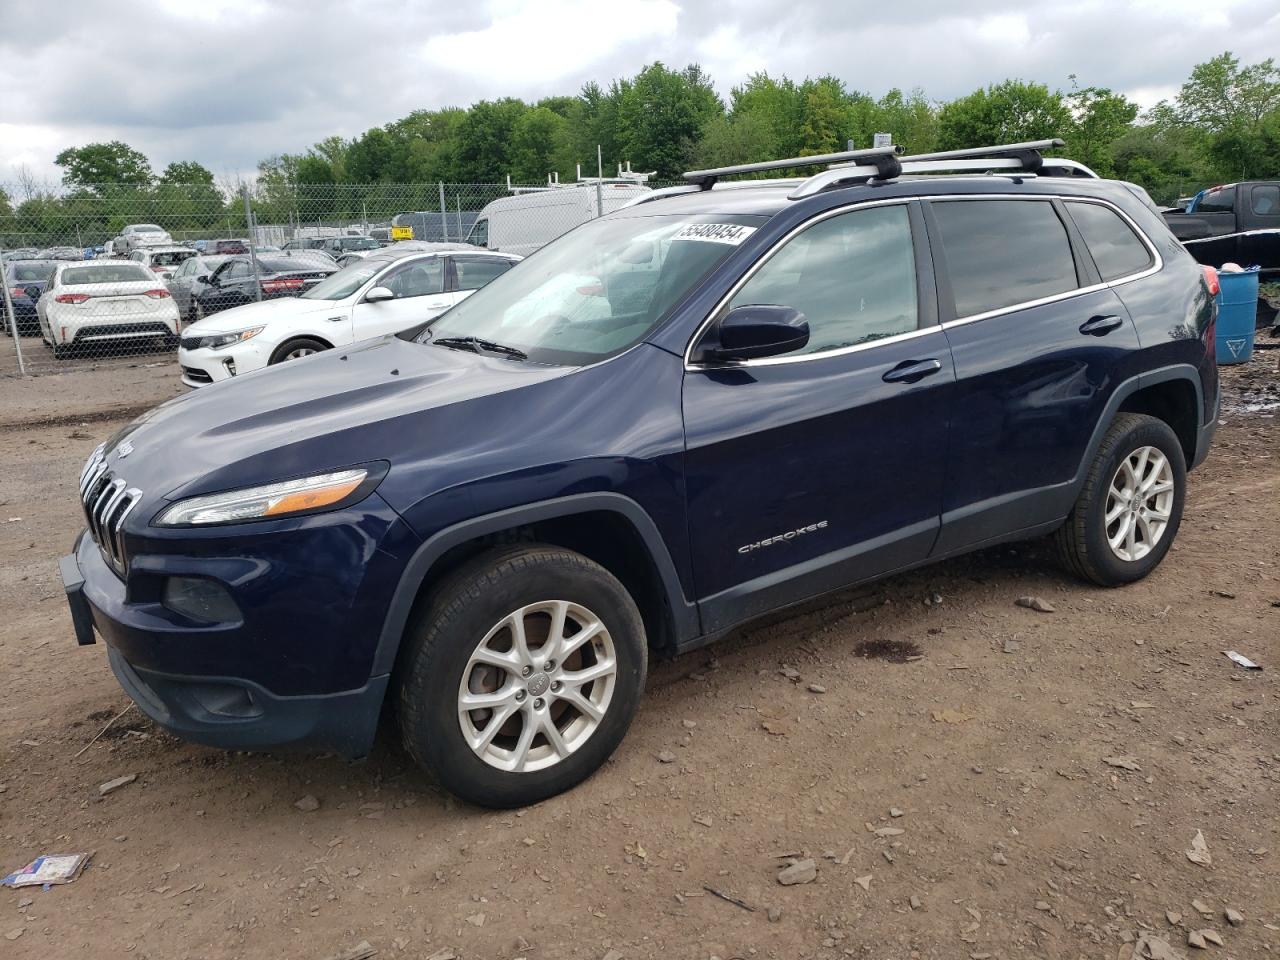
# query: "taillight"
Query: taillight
{"points": [[276, 286], [157, 294], [1211, 278], [18, 291], [71, 298]]}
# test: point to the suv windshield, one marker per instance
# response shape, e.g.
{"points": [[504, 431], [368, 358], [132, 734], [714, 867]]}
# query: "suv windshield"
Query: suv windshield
{"points": [[599, 289], [345, 282]]}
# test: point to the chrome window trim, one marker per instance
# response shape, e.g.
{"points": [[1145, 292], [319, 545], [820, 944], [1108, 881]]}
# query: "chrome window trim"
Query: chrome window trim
{"points": [[689, 365], [1157, 264]]}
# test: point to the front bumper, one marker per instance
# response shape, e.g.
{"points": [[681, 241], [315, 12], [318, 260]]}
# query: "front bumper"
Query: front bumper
{"points": [[205, 366], [254, 683]]}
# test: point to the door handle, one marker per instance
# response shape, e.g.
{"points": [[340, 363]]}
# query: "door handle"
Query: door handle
{"points": [[1100, 326], [909, 371]]}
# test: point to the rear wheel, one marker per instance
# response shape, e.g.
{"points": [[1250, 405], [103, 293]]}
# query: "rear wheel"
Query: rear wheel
{"points": [[293, 349], [521, 675], [1130, 507]]}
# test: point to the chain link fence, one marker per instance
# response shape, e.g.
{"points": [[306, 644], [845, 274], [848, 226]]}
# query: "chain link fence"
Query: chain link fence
{"points": [[115, 274]]}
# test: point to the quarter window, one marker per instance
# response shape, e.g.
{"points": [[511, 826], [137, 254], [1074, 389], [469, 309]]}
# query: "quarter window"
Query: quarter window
{"points": [[1003, 252], [1116, 249], [853, 276]]}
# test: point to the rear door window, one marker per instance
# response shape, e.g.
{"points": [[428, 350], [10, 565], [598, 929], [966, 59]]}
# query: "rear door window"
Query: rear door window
{"points": [[1115, 248], [1218, 200], [1266, 200], [1001, 253], [475, 272]]}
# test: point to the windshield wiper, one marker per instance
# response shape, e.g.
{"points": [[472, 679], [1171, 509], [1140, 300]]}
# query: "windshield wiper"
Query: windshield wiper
{"points": [[476, 344]]}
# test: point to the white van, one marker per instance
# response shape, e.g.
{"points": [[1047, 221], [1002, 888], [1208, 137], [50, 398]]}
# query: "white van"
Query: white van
{"points": [[535, 216]]}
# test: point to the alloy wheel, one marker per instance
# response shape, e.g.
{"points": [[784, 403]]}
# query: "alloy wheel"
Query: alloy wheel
{"points": [[537, 686], [1139, 503], [297, 352]]}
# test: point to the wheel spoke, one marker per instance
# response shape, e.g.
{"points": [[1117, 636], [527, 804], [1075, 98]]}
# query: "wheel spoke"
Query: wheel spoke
{"points": [[575, 699], [1157, 468], [1147, 531], [570, 644], [555, 637], [486, 701], [520, 756], [1122, 531], [1140, 471], [1130, 478], [1114, 512], [496, 722], [1157, 489], [1131, 538], [553, 737], [579, 678], [503, 660], [1156, 513], [519, 642]]}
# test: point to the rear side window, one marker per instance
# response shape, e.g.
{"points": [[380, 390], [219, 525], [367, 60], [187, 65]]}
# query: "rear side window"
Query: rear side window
{"points": [[1266, 200], [1115, 248], [1218, 200], [1003, 252], [853, 276], [474, 274]]}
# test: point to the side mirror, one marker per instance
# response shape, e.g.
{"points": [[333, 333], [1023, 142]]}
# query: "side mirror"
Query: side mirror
{"points": [[204, 278], [378, 294], [753, 331]]}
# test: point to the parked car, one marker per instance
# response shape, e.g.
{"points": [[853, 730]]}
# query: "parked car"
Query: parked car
{"points": [[786, 389], [26, 280], [162, 261], [337, 246], [532, 218], [1235, 223], [138, 235], [104, 301], [387, 292], [21, 253], [234, 282], [305, 243], [189, 279], [228, 246], [60, 253]]}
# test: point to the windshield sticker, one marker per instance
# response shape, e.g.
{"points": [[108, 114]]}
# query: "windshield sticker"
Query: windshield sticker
{"points": [[730, 233]]}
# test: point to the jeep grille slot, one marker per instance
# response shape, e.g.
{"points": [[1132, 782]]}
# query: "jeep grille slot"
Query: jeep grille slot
{"points": [[107, 501]]}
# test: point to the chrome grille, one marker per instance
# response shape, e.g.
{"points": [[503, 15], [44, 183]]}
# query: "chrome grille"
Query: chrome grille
{"points": [[107, 501]]}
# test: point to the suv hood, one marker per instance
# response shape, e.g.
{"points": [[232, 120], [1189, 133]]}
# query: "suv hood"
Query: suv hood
{"points": [[319, 413], [264, 311]]}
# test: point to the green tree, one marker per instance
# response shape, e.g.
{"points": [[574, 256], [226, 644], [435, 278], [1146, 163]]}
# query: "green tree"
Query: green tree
{"points": [[370, 158], [1235, 107], [1009, 112], [661, 116], [187, 172], [539, 146], [1099, 118], [104, 164], [485, 138]]}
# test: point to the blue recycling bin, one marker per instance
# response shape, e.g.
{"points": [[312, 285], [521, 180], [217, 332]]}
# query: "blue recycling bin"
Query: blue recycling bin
{"points": [[1237, 315]]}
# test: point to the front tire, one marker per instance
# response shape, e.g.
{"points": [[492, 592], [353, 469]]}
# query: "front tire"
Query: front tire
{"points": [[521, 675], [1128, 512], [296, 349]]}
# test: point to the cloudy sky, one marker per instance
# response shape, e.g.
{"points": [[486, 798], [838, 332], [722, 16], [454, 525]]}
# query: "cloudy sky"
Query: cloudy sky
{"points": [[228, 82]]}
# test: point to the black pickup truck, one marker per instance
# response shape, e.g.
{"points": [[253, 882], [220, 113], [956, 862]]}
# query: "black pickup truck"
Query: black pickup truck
{"points": [[1234, 223]]}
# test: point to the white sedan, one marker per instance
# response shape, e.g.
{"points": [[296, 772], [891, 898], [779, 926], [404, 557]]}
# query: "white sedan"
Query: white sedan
{"points": [[103, 301], [386, 292]]}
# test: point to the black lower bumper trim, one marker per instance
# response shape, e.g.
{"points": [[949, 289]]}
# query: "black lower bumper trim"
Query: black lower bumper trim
{"points": [[236, 714]]}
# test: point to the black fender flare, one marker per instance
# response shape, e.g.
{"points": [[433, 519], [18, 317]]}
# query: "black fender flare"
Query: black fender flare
{"points": [[684, 613], [1126, 389]]}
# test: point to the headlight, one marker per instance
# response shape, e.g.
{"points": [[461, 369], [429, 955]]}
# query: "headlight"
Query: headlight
{"points": [[219, 340], [273, 500]]}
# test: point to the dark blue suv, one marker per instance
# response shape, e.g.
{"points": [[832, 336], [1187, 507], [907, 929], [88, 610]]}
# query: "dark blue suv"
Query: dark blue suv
{"points": [[726, 399]]}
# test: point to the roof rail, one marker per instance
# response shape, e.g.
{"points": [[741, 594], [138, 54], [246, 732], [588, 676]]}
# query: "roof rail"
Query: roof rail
{"points": [[884, 160], [1010, 157]]}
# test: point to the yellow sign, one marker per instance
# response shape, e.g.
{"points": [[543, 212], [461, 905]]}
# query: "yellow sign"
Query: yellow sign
{"points": [[402, 233]]}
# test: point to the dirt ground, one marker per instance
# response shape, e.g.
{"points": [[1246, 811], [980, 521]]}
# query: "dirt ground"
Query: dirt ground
{"points": [[940, 751]]}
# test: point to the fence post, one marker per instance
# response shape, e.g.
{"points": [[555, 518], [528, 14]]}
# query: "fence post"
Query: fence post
{"points": [[9, 314], [599, 181], [444, 214], [253, 246], [457, 199]]}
